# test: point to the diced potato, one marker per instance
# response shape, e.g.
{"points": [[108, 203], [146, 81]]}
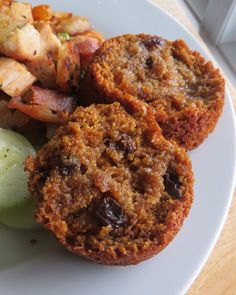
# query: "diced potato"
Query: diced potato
{"points": [[14, 77], [49, 41], [68, 67], [13, 15], [73, 25], [23, 44], [94, 34], [22, 13], [60, 15], [42, 12], [44, 69], [43, 66], [7, 26]]}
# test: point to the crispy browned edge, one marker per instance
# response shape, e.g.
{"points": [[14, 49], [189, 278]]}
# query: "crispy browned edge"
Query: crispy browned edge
{"points": [[189, 128], [173, 224]]}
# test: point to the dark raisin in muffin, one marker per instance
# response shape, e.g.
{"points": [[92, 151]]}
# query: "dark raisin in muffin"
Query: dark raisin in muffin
{"points": [[184, 90], [110, 187]]}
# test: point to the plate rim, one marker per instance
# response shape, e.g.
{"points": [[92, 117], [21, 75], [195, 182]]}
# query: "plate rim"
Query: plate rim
{"points": [[224, 213], [212, 245]]}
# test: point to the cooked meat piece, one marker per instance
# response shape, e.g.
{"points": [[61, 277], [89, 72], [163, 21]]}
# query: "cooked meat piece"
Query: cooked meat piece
{"points": [[86, 46], [54, 100], [44, 105], [110, 187], [74, 55], [68, 67], [49, 41], [61, 15], [44, 69], [23, 44], [11, 119], [14, 77], [73, 25], [37, 112], [94, 34]]}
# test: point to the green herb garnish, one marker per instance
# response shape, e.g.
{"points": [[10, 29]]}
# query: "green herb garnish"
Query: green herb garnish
{"points": [[63, 36]]}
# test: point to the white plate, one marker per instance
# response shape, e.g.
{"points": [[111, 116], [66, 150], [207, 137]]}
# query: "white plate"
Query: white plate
{"points": [[46, 268]]}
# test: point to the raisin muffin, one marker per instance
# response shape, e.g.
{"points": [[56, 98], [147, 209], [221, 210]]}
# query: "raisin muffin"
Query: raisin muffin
{"points": [[110, 187], [185, 91]]}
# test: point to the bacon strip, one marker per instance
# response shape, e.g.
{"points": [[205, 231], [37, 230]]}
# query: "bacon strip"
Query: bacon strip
{"points": [[9, 119], [43, 104]]}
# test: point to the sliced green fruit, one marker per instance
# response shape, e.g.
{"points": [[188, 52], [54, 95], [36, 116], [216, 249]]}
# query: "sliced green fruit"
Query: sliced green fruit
{"points": [[20, 216], [14, 149]]}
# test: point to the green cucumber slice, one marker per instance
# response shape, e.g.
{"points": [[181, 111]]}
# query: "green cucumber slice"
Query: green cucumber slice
{"points": [[20, 216], [14, 149]]}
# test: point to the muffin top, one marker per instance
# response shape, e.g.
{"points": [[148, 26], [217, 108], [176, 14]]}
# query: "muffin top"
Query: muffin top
{"points": [[110, 187], [185, 92], [165, 74]]}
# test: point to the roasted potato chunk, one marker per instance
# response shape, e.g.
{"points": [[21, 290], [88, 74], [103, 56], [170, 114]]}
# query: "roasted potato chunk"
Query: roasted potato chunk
{"points": [[14, 77], [23, 44], [44, 69], [21, 13], [73, 25], [68, 67]]}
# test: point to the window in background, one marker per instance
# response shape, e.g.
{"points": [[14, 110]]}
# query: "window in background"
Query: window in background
{"points": [[227, 42], [198, 7], [217, 19]]}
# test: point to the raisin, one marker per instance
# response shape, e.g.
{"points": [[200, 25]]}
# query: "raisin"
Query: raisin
{"points": [[66, 170], [172, 184], [66, 165], [126, 144], [109, 212], [71, 240], [153, 42], [44, 173], [83, 169], [149, 63], [107, 142]]}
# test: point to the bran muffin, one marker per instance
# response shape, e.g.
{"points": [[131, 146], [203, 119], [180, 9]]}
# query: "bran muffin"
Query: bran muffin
{"points": [[184, 90], [110, 187]]}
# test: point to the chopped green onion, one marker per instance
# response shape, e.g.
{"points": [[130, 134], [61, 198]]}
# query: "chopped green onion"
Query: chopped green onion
{"points": [[63, 36]]}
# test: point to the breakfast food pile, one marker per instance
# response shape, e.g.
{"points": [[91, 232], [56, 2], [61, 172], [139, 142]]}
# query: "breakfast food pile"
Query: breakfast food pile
{"points": [[49, 49], [114, 183]]}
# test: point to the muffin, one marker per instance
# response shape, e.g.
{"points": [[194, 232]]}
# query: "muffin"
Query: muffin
{"points": [[110, 187], [184, 90]]}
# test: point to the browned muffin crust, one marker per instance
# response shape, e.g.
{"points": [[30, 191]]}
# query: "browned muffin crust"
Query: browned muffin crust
{"points": [[185, 91], [110, 187]]}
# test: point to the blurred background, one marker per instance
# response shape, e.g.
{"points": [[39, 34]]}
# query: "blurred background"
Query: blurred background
{"points": [[215, 20]]}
